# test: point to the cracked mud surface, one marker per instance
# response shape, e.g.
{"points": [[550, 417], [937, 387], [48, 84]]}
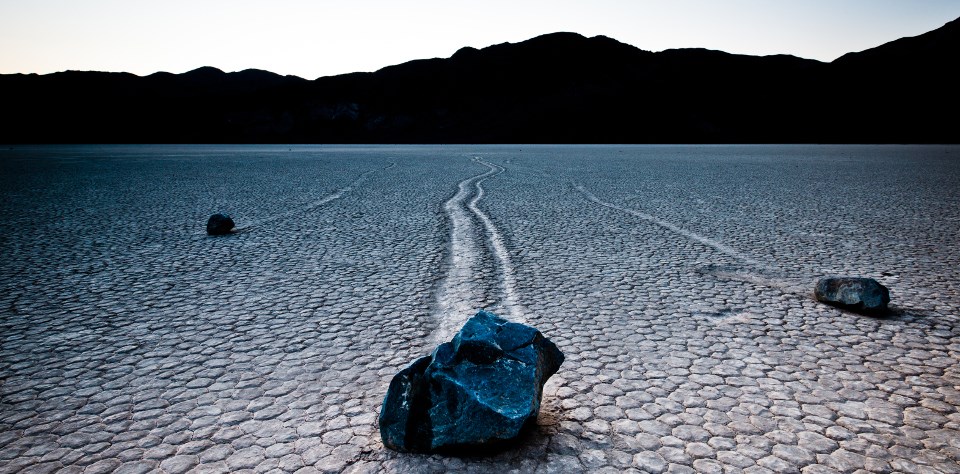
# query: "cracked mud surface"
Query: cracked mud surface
{"points": [[677, 281]]}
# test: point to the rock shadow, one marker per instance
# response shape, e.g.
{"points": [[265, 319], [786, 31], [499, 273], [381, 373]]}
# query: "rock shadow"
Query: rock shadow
{"points": [[531, 435], [890, 314]]}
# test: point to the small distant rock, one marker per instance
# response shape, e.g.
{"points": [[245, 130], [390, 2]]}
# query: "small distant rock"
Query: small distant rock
{"points": [[219, 224], [480, 388], [857, 294]]}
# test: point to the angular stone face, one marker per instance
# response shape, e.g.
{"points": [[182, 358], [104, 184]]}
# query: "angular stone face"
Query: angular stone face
{"points": [[406, 395], [482, 387], [858, 294], [219, 224]]}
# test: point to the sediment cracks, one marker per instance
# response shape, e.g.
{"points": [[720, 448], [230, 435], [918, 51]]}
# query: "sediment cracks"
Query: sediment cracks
{"points": [[461, 291], [319, 202]]}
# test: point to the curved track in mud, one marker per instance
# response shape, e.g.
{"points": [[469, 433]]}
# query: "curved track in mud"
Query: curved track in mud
{"points": [[475, 244]]}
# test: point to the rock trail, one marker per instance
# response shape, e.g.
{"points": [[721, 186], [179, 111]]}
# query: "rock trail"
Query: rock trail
{"points": [[505, 275], [461, 293], [753, 271], [671, 227], [317, 203]]}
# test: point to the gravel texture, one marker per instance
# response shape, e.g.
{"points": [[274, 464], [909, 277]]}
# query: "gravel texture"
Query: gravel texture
{"points": [[677, 280]]}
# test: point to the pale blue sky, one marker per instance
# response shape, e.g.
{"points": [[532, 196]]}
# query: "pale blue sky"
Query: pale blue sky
{"points": [[312, 38]]}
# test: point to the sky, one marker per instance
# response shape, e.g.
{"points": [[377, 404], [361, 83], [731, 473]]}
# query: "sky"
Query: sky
{"points": [[314, 38]]}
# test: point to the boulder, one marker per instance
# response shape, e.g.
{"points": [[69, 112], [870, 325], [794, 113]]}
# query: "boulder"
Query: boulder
{"points": [[853, 293], [480, 388], [219, 224]]}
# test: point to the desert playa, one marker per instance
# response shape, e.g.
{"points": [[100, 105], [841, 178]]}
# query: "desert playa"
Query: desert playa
{"points": [[677, 280]]}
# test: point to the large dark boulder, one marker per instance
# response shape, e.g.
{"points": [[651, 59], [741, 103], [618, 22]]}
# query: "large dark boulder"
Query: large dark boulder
{"points": [[219, 224], [857, 294], [480, 388]]}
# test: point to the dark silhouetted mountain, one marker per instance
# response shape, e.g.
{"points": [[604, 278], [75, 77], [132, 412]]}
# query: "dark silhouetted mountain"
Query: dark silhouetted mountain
{"points": [[904, 90], [556, 88], [929, 50]]}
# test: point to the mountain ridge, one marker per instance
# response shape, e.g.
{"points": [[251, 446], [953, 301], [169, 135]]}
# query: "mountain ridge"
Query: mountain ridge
{"points": [[555, 88]]}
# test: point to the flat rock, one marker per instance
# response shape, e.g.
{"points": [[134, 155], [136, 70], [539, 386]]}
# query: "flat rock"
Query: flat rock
{"points": [[219, 224], [480, 388], [854, 293]]}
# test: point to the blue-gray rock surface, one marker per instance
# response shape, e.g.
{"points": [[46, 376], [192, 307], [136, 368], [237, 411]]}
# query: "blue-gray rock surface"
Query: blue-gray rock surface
{"points": [[482, 387], [854, 293], [219, 224]]}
